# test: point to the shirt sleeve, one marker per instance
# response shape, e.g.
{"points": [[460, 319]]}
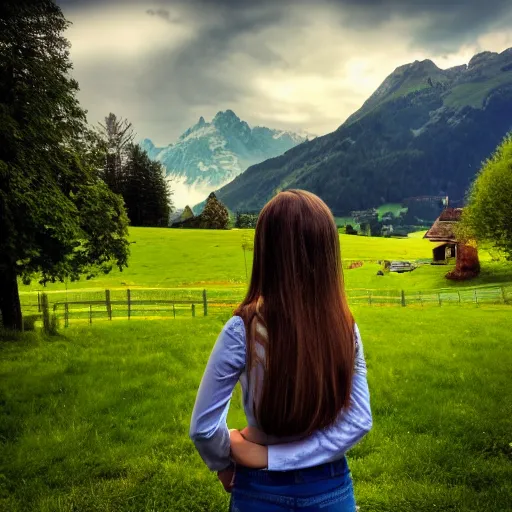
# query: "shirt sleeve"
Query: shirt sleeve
{"points": [[208, 427], [331, 443]]}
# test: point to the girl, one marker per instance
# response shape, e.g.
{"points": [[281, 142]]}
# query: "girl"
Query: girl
{"points": [[294, 347]]}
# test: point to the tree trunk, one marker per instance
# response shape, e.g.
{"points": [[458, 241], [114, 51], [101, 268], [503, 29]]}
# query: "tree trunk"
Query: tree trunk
{"points": [[10, 300]]}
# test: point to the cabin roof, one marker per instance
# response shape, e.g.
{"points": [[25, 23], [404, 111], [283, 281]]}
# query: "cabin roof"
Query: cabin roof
{"points": [[443, 229]]}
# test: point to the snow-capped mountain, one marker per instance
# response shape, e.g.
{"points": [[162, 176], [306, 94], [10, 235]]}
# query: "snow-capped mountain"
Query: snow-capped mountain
{"points": [[209, 155]]}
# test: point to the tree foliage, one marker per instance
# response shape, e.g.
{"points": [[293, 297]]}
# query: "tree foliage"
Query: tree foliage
{"points": [[186, 214], [244, 220], [215, 215], [145, 189], [58, 219], [128, 170], [488, 216], [117, 135]]}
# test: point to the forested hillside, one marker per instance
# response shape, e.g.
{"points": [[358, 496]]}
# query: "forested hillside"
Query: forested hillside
{"points": [[425, 131]]}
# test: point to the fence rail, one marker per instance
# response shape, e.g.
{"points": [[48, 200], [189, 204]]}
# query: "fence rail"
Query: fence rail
{"points": [[94, 305]]}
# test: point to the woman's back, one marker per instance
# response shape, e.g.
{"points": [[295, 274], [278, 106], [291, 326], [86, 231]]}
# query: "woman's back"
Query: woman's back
{"points": [[293, 345]]}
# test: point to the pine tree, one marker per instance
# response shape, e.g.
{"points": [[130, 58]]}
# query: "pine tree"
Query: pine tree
{"points": [[117, 135], [145, 189], [186, 214], [215, 215]]}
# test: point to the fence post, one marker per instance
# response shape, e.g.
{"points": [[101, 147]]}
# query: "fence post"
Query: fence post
{"points": [[129, 298], [476, 298], [174, 311], [403, 299], [108, 304], [66, 315], [421, 298], [39, 302], [46, 312], [439, 297], [193, 310], [503, 294], [205, 303], [369, 297], [459, 295], [90, 313]]}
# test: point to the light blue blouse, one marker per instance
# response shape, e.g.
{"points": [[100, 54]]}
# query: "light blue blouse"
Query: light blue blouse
{"points": [[226, 366]]}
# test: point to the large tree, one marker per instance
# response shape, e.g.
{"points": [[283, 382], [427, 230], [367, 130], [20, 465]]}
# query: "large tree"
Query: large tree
{"points": [[58, 219], [488, 215], [145, 189]]}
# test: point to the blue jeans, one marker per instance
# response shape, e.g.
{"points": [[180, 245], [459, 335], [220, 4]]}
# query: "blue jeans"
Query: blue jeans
{"points": [[325, 488]]}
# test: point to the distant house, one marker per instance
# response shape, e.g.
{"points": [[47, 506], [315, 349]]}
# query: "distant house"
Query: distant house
{"points": [[387, 230], [443, 231]]}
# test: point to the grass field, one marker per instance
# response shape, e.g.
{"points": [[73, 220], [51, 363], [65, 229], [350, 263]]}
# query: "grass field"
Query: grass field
{"points": [[395, 208], [172, 257], [96, 419], [167, 258]]}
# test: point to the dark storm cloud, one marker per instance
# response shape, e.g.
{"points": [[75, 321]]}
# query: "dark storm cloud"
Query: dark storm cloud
{"points": [[447, 24], [191, 75], [164, 90]]}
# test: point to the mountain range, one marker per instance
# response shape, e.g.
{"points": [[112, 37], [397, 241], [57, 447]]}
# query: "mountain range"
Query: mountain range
{"points": [[425, 131], [208, 155]]}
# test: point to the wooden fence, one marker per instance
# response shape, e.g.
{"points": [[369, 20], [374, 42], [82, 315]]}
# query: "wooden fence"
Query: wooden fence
{"points": [[93, 305], [443, 297]]}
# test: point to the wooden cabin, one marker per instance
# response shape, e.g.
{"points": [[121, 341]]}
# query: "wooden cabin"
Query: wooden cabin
{"points": [[443, 232]]}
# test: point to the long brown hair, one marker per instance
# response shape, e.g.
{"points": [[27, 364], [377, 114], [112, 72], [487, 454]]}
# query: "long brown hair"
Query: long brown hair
{"points": [[297, 292]]}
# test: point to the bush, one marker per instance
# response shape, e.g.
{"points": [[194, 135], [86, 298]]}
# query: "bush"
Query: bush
{"points": [[29, 322], [349, 230]]}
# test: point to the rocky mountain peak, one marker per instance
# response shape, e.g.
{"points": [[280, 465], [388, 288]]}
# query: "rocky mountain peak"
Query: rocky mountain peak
{"points": [[209, 154], [147, 143], [424, 67], [481, 58], [226, 117], [229, 123]]}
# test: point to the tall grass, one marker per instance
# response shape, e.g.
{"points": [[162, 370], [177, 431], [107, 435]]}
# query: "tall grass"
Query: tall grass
{"points": [[96, 419]]}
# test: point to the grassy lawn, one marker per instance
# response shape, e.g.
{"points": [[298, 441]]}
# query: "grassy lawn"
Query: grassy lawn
{"points": [[96, 419], [167, 258], [395, 208], [186, 261], [173, 257]]}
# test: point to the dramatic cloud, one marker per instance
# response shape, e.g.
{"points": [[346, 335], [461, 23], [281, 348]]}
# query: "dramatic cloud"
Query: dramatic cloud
{"points": [[295, 65]]}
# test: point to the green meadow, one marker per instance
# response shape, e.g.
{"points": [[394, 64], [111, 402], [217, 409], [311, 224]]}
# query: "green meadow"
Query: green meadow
{"points": [[96, 418], [170, 258]]}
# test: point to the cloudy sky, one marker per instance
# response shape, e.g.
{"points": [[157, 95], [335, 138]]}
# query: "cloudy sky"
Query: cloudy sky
{"points": [[303, 65]]}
